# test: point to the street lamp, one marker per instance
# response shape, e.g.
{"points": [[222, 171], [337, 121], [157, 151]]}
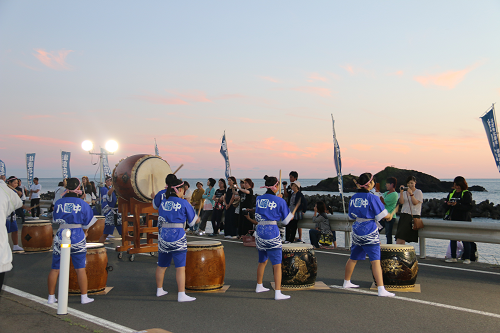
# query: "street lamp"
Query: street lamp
{"points": [[110, 147]]}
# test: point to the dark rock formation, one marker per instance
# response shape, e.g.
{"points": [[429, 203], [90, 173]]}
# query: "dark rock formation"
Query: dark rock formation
{"points": [[425, 182]]}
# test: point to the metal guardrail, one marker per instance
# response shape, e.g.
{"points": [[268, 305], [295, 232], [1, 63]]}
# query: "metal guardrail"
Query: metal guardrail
{"points": [[484, 232]]}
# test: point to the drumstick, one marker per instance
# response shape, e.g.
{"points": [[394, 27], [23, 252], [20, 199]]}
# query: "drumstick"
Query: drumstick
{"points": [[201, 205], [178, 169], [296, 207], [279, 185]]}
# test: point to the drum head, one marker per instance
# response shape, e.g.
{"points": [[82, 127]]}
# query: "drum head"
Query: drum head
{"points": [[396, 247], [144, 168], [94, 245], [203, 243], [296, 247], [38, 222]]}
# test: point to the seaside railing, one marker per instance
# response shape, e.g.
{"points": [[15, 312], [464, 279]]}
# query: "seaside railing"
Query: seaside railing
{"points": [[483, 232]]}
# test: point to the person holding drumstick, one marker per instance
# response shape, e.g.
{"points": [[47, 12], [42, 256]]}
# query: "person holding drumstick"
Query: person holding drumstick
{"points": [[73, 213], [367, 210], [173, 211], [269, 210]]}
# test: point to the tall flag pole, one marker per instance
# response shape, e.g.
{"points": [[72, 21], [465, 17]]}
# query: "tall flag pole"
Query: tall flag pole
{"points": [[157, 153], [65, 158], [338, 163], [490, 125], [3, 169], [225, 153], [30, 168]]}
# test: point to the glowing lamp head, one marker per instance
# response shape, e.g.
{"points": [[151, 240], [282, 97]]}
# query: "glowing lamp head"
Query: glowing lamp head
{"points": [[87, 145], [111, 146]]}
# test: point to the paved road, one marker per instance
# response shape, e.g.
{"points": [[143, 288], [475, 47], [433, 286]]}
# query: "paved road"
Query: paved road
{"points": [[133, 303]]}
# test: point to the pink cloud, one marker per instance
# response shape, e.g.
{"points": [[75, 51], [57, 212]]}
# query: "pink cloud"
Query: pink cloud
{"points": [[316, 77], [306, 117], [447, 79], [155, 99], [230, 96], [348, 68], [55, 59], [361, 147], [257, 121], [38, 116], [22, 64], [397, 73], [195, 95], [323, 92], [40, 139], [268, 78]]}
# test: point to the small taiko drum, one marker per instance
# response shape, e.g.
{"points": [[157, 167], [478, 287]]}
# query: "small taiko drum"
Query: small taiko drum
{"points": [[299, 266], [139, 175], [96, 269], [95, 232], [37, 236], [399, 265], [205, 265]]}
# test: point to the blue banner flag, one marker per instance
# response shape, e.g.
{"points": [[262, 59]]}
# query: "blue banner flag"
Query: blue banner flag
{"points": [[225, 154], [157, 153], [3, 170], [336, 158], [105, 164], [65, 157], [30, 168], [490, 125]]}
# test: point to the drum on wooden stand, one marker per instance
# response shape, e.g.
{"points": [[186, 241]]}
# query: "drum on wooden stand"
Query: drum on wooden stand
{"points": [[299, 266], [96, 269], [399, 265], [134, 176], [37, 236], [205, 265], [96, 230]]}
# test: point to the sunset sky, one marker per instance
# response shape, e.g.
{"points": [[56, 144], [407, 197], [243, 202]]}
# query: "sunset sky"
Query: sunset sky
{"points": [[405, 81]]}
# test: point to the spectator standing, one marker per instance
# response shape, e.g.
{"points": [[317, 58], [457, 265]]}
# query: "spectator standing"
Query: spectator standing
{"points": [[21, 189], [230, 222], [12, 219], [295, 197], [195, 201], [58, 194], [390, 201], [246, 205], [218, 208], [413, 206], [459, 205], [35, 191], [87, 190], [208, 206]]}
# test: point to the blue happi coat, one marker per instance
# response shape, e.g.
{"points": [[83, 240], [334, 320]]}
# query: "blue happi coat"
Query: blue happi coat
{"points": [[173, 210], [269, 207], [367, 210], [109, 207], [72, 210]]}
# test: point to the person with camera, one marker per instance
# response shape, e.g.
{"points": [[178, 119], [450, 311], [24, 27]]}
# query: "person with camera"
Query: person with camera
{"points": [[390, 201], [218, 210], [208, 206], [230, 199], [411, 198], [458, 206], [296, 199], [246, 206]]}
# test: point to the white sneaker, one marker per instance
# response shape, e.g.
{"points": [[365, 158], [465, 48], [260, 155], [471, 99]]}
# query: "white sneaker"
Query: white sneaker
{"points": [[18, 248], [36, 218], [227, 236], [467, 261], [451, 260]]}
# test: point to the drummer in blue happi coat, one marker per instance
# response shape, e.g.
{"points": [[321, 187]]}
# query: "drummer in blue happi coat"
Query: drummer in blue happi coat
{"points": [[367, 209], [269, 210], [109, 206], [173, 211], [73, 213]]}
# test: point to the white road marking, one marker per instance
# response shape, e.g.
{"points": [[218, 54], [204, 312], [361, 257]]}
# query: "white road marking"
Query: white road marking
{"points": [[446, 306], [99, 321]]}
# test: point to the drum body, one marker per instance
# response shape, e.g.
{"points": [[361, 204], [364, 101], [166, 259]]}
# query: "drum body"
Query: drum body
{"points": [[134, 176], [299, 267], [96, 269], [96, 230], [205, 265], [399, 265], [37, 236]]}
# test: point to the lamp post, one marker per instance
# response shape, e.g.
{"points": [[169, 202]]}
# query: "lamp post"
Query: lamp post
{"points": [[109, 149]]}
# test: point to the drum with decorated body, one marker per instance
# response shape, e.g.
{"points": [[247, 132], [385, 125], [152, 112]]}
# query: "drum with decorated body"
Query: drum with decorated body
{"points": [[299, 266], [399, 265], [205, 265]]}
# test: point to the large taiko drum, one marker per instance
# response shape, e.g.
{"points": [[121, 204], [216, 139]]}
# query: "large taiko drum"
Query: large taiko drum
{"points": [[37, 235], [299, 266], [96, 269], [134, 176], [399, 265], [96, 230], [205, 265]]}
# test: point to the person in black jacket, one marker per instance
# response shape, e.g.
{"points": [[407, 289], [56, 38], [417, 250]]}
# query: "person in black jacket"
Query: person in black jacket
{"points": [[291, 228], [458, 208]]}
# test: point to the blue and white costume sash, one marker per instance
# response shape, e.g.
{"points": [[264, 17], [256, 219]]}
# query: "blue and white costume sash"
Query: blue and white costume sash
{"points": [[267, 235], [78, 243]]}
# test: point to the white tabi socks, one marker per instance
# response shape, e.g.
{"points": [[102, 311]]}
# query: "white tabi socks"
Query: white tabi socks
{"points": [[182, 297], [384, 293], [85, 299], [279, 296], [349, 284], [260, 288], [160, 292], [52, 299]]}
